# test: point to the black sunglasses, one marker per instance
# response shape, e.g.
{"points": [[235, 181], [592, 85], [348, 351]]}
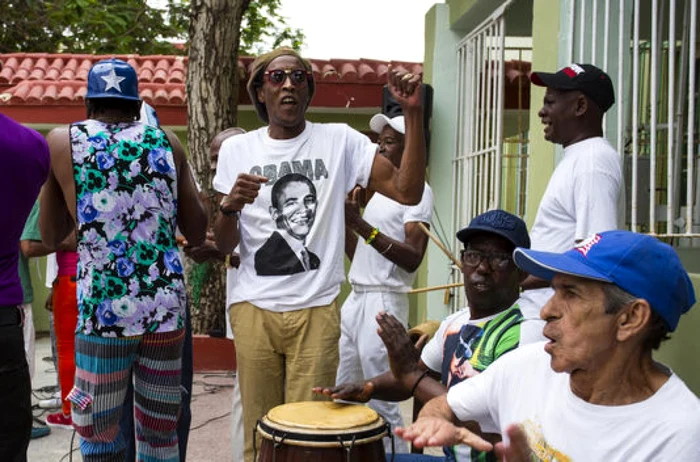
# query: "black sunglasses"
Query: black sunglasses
{"points": [[296, 76]]}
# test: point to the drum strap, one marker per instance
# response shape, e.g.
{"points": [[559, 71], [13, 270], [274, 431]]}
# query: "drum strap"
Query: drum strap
{"points": [[277, 443], [348, 448]]}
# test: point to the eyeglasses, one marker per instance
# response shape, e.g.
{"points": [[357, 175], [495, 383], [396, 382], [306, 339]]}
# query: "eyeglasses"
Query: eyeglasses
{"points": [[497, 261], [296, 76]]}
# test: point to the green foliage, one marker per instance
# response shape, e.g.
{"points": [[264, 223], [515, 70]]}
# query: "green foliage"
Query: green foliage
{"points": [[263, 29], [26, 26], [92, 26], [127, 26]]}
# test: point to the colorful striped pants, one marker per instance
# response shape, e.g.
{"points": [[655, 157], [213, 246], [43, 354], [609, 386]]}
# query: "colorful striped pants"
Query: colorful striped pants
{"points": [[103, 367]]}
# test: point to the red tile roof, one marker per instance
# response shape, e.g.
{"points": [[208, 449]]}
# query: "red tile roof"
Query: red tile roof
{"points": [[63, 74], [57, 82]]}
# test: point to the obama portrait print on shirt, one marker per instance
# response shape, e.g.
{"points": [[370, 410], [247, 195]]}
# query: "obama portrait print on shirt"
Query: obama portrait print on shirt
{"points": [[293, 209]]}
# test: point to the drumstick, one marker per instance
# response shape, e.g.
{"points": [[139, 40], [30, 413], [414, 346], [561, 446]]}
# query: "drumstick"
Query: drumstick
{"points": [[439, 244], [428, 289]]}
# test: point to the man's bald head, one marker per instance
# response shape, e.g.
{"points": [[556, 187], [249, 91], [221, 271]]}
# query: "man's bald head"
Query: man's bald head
{"points": [[215, 145]]}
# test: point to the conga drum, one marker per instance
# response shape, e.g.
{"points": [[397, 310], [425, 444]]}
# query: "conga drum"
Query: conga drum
{"points": [[322, 431]]}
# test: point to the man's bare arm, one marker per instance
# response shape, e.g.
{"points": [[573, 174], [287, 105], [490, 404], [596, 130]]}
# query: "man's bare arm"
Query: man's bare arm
{"points": [[405, 184], [57, 203], [31, 249], [191, 216]]}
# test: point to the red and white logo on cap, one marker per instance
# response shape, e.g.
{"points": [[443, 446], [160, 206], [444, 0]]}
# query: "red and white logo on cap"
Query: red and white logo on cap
{"points": [[586, 245], [572, 70]]}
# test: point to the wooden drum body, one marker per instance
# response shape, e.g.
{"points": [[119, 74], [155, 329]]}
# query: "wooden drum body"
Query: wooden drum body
{"points": [[321, 431]]}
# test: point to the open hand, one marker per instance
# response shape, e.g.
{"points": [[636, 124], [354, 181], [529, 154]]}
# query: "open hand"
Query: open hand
{"points": [[434, 431], [403, 356]]}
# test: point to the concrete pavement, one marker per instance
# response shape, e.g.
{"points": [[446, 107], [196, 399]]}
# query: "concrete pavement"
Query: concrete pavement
{"points": [[210, 433]]}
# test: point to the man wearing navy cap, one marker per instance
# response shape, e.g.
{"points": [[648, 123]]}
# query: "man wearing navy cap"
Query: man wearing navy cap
{"points": [[593, 391], [467, 342], [582, 195], [124, 186]]}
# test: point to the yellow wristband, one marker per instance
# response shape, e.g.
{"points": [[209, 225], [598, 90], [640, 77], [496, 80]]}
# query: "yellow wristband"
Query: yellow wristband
{"points": [[373, 235]]}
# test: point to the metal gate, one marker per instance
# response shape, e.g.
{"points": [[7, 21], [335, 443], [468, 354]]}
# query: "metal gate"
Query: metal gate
{"points": [[655, 125], [476, 182]]}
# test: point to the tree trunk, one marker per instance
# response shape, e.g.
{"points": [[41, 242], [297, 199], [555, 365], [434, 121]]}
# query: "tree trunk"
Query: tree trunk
{"points": [[212, 95]]}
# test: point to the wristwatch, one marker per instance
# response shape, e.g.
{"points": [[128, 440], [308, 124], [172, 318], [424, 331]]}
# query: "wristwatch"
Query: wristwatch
{"points": [[228, 213]]}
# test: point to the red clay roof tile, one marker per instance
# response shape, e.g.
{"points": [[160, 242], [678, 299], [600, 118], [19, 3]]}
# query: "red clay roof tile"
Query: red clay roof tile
{"points": [[45, 79], [69, 71]]}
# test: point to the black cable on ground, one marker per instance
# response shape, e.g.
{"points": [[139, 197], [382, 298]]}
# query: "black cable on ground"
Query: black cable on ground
{"points": [[208, 421], [69, 454]]}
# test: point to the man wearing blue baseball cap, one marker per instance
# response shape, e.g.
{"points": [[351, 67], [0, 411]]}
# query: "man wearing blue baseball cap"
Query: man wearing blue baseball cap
{"points": [[123, 186], [593, 391]]}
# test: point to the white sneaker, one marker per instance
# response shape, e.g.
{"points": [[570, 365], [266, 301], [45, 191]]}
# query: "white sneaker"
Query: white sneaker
{"points": [[51, 403]]}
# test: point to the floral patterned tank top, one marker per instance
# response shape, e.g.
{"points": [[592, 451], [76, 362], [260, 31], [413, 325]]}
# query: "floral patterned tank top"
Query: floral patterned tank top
{"points": [[130, 278]]}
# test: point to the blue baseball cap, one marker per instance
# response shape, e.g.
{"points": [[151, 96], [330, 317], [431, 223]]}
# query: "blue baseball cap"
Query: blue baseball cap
{"points": [[112, 78], [639, 264], [497, 222]]}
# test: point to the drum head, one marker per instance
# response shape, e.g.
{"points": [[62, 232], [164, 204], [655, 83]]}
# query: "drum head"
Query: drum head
{"points": [[322, 424], [323, 415]]}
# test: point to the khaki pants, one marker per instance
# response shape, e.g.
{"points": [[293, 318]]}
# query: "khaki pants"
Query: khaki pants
{"points": [[281, 357]]}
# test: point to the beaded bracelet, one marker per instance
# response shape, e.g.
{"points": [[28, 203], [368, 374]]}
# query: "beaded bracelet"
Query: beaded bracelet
{"points": [[373, 235], [422, 376]]}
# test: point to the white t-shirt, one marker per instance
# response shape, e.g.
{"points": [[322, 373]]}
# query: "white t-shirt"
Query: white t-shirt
{"points": [[581, 197], [580, 200], [335, 158], [369, 267], [561, 426]]}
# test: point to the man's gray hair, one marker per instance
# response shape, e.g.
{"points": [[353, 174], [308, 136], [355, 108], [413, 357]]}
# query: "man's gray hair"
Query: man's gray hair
{"points": [[616, 299]]}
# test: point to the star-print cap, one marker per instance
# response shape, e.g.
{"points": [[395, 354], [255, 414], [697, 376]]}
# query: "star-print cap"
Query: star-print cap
{"points": [[112, 78]]}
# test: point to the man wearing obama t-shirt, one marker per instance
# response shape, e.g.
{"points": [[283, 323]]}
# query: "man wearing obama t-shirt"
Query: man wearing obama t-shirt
{"points": [[287, 325]]}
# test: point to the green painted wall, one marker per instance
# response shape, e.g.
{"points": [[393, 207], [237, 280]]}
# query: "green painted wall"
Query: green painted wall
{"points": [[37, 272], [545, 50], [681, 352], [440, 70]]}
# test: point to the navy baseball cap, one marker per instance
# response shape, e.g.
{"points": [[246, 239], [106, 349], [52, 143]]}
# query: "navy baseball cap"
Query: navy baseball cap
{"points": [[588, 79], [112, 78], [497, 222], [636, 263]]}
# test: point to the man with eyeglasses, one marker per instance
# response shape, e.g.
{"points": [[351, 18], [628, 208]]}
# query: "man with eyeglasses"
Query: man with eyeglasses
{"points": [[287, 326], [466, 342]]}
